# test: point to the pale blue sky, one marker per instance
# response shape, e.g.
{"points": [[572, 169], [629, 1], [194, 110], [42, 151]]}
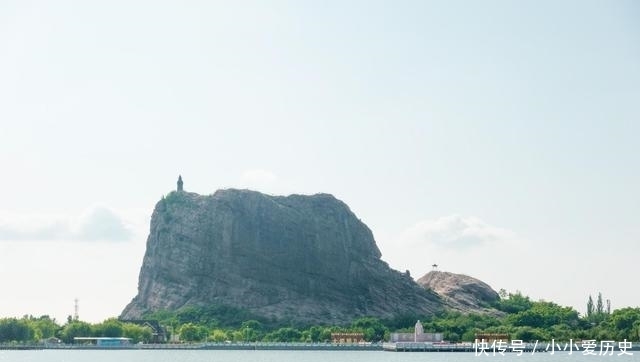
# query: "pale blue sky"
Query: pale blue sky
{"points": [[455, 130]]}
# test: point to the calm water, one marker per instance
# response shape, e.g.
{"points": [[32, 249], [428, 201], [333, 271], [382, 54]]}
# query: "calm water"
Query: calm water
{"points": [[285, 356]]}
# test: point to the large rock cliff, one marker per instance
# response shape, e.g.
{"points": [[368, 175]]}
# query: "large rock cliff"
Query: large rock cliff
{"points": [[295, 258]]}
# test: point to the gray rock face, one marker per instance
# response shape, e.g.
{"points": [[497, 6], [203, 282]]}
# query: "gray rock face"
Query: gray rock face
{"points": [[461, 292], [298, 258]]}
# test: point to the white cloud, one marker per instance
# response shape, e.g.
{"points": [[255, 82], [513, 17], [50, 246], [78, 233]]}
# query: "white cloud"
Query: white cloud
{"points": [[102, 224], [454, 232], [97, 224], [259, 179], [459, 244]]}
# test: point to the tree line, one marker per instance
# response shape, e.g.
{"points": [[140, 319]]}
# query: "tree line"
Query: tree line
{"points": [[36, 329], [514, 314]]}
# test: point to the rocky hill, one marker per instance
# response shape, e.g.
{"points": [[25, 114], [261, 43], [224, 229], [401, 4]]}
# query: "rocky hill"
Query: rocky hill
{"points": [[297, 258], [461, 292]]}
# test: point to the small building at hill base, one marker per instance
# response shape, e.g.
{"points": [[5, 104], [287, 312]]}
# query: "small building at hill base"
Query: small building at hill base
{"points": [[103, 341], [347, 337], [417, 336]]}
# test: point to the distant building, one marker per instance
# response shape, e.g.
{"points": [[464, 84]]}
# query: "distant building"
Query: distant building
{"points": [[51, 340], [347, 337], [418, 335], [103, 341]]}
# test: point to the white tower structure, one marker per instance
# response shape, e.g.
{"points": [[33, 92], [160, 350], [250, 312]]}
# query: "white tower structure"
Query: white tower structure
{"points": [[418, 332]]}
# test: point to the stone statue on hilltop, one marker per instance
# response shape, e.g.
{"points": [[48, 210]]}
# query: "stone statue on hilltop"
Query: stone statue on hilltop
{"points": [[180, 183]]}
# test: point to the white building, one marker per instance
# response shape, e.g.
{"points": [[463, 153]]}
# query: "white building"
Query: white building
{"points": [[418, 335]]}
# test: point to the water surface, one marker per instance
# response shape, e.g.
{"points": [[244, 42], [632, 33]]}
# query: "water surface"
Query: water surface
{"points": [[287, 356]]}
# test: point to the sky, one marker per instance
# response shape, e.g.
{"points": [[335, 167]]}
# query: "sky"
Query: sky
{"points": [[497, 139]]}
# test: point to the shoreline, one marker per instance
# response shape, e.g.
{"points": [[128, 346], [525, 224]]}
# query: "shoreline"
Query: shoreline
{"points": [[203, 346], [258, 346]]}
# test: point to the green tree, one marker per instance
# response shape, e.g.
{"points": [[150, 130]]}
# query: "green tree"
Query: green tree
{"points": [[599, 306], [214, 316], [218, 335], [252, 330], [286, 334], [325, 335], [452, 337], [470, 335], [515, 303], [237, 336], [544, 315], [590, 307], [164, 317], [372, 328], [137, 333], [562, 332], [626, 322], [529, 334], [305, 336], [12, 329], [75, 329], [253, 324], [43, 326], [315, 334], [108, 328], [193, 333]]}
